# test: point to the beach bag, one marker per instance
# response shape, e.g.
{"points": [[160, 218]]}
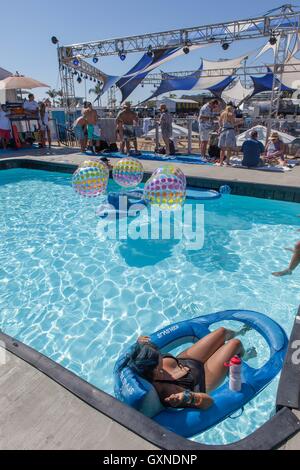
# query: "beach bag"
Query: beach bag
{"points": [[113, 147], [214, 151], [172, 147]]}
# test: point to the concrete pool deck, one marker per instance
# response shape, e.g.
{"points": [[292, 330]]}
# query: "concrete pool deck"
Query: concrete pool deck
{"points": [[39, 413], [245, 181]]}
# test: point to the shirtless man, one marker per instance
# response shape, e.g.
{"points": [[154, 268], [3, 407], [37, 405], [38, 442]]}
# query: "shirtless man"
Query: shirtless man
{"points": [[295, 261], [91, 117], [126, 119]]}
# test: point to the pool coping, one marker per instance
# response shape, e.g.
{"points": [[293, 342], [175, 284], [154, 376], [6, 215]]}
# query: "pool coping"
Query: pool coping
{"points": [[238, 187], [283, 425]]}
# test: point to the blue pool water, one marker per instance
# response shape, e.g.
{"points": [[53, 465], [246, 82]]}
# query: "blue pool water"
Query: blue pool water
{"points": [[80, 300]]}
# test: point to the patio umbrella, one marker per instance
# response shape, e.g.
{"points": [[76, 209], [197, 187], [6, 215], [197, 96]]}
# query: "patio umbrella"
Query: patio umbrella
{"points": [[17, 82]]}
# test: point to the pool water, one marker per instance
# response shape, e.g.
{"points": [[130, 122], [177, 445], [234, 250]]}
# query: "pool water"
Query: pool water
{"points": [[81, 301]]}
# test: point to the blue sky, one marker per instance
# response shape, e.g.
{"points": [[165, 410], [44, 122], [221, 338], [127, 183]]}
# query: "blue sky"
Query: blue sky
{"points": [[26, 29]]}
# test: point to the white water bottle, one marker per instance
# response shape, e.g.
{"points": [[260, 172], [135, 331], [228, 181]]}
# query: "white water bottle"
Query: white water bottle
{"points": [[235, 374]]}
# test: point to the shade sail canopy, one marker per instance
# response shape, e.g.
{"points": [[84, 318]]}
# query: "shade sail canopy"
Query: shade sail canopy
{"points": [[4, 73], [237, 93], [262, 135], [265, 83], [291, 78], [214, 67], [18, 82]]}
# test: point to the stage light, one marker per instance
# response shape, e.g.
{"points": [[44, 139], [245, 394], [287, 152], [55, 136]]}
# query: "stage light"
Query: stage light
{"points": [[225, 46], [122, 55], [79, 80], [75, 72], [54, 40], [86, 77], [272, 40], [76, 62], [95, 80], [150, 52], [186, 49], [95, 59], [91, 79]]}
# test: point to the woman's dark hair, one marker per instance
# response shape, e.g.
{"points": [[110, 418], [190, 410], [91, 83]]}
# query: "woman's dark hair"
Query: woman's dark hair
{"points": [[142, 359]]}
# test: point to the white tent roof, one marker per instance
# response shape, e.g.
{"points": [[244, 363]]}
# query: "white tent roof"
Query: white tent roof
{"points": [[262, 134], [178, 131], [214, 68], [292, 77], [237, 93], [4, 73]]}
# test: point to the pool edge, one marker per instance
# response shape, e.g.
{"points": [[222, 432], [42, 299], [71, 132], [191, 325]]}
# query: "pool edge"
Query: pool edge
{"points": [[276, 431], [241, 188]]}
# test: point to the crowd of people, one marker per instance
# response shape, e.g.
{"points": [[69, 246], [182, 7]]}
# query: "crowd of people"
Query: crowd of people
{"points": [[213, 120], [254, 152], [87, 130]]}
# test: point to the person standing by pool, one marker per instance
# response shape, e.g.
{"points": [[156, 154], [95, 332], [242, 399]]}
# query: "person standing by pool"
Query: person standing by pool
{"points": [[126, 121], [31, 107], [206, 116], [295, 261], [227, 139], [80, 130], [252, 149], [5, 127], [44, 123], [166, 122], [91, 117]]}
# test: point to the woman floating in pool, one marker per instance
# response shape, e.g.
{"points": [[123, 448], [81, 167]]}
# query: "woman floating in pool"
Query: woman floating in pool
{"points": [[295, 261], [186, 380]]}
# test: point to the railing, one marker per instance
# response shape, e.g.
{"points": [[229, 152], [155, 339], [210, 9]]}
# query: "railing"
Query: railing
{"points": [[185, 132]]}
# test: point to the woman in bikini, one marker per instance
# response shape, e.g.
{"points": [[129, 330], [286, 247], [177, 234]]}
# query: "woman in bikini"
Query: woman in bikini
{"points": [[186, 380]]}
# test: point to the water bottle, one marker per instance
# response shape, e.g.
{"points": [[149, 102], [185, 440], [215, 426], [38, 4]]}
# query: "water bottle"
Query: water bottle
{"points": [[235, 374]]}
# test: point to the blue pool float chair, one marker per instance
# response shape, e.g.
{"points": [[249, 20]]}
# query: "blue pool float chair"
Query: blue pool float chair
{"points": [[140, 394]]}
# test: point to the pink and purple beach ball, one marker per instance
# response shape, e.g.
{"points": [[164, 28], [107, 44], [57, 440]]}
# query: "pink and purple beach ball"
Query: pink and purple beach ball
{"points": [[91, 179], [128, 172], [171, 170], [166, 191]]}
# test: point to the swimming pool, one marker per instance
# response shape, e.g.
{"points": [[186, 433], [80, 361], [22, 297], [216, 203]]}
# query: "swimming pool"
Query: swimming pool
{"points": [[81, 301]]}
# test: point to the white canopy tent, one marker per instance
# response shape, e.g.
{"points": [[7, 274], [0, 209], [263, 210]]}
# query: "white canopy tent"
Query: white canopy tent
{"points": [[6, 95], [292, 77], [236, 94], [214, 67], [262, 135], [178, 131]]}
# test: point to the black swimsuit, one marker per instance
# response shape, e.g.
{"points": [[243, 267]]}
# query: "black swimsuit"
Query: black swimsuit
{"points": [[194, 380]]}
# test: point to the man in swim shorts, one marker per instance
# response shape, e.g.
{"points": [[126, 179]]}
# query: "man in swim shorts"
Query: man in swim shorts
{"points": [[80, 130], [295, 261], [91, 117], [126, 121]]}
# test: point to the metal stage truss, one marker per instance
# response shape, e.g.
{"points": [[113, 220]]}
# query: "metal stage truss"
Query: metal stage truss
{"points": [[277, 26], [251, 28]]}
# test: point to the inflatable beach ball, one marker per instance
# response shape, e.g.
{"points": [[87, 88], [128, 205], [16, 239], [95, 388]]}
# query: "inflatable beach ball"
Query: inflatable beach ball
{"points": [[166, 191], [171, 170], [128, 172], [91, 179], [225, 189]]}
